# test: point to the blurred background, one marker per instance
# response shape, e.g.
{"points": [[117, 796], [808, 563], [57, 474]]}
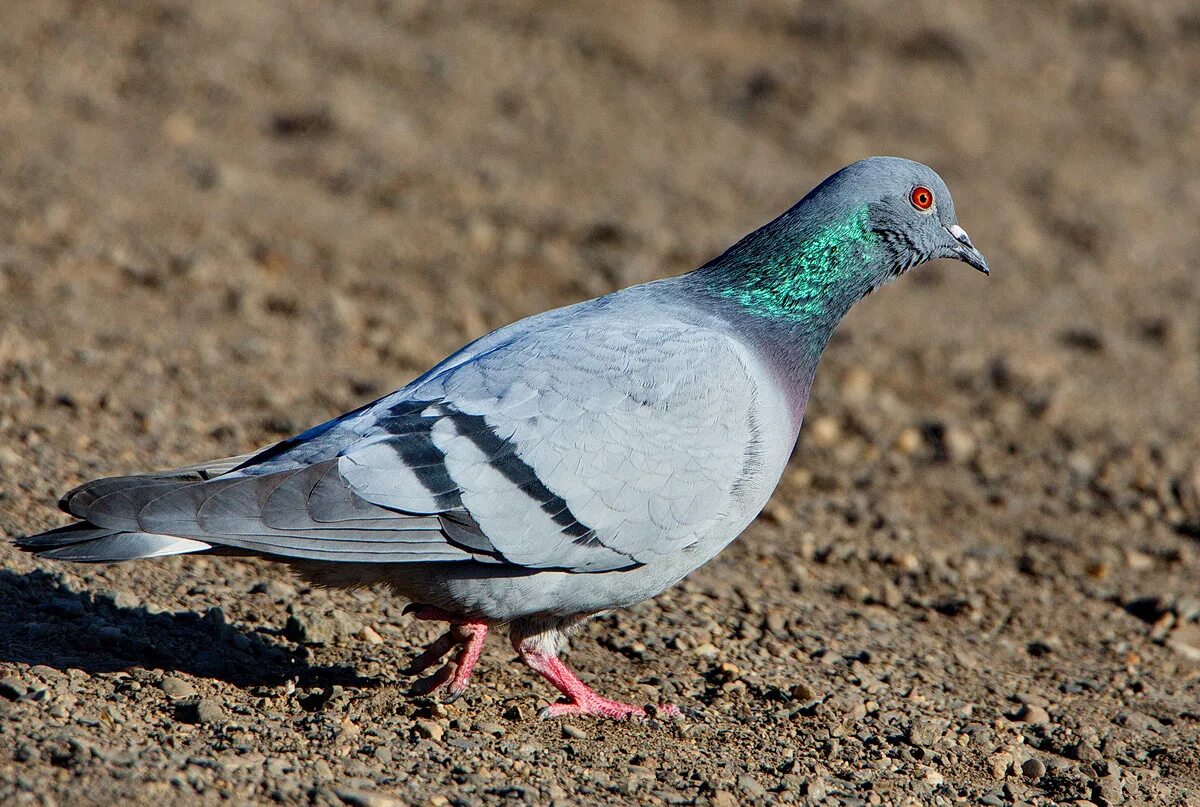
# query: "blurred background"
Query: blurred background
{"points": [[222, 222]]}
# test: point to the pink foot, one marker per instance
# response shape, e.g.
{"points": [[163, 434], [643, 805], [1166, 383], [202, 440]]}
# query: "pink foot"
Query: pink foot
{"points": [[464, 633], [581, 699]]}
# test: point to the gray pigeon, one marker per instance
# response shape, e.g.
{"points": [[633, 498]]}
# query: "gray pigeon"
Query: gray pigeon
{"points": [[582, 459]]}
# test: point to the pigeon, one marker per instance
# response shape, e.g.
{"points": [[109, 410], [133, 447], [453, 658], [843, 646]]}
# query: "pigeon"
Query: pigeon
{"points": [[581, 460]]}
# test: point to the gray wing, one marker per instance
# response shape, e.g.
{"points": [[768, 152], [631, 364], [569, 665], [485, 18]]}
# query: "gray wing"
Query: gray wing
{"points": [[582, 447], [586, 448]]}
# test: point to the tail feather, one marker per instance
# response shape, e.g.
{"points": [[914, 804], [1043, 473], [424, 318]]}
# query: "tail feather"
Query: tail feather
{"points": [[308, 512], [85, 542], [77, 500]]}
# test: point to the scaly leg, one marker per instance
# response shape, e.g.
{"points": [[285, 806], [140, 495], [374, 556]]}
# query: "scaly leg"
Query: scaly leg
{"points": [[581, 699], [467, 634]]}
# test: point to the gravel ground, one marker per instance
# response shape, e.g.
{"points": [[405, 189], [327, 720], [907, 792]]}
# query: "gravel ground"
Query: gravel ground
{"points": [[221, 222]]}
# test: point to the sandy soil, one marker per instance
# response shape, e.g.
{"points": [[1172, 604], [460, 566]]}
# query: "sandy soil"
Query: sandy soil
{"points": [[221, 222]]}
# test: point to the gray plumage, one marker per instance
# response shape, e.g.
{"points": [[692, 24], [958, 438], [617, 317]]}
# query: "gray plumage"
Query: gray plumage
{"points": [[578, 460]]}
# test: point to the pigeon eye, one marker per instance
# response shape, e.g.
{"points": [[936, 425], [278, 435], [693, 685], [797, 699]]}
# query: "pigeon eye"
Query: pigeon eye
{"points": [[921, 198]]}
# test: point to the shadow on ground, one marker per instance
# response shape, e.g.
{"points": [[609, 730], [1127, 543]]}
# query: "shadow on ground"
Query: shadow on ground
{"points": [[42, 621]]}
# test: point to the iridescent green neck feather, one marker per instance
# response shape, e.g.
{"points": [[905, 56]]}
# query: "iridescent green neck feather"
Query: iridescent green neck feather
{"points": [[806, 277]]}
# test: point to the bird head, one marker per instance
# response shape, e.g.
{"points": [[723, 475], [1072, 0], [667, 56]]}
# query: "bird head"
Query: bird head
{"points": [[870, 222], [908, 209]]}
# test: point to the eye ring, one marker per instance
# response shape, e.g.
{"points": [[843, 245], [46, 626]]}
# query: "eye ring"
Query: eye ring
{"points": [[921, 198]]}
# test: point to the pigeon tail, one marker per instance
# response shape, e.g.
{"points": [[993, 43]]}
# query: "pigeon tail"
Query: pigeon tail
{"points": [[86, 543]]}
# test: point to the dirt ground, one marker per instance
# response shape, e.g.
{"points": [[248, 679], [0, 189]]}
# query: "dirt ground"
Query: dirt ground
{"points": [[222, 222]]}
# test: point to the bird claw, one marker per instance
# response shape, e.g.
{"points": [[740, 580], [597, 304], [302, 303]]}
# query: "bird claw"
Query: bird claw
{"points": [[432, 683], [614, 710], [432, 654], [468, 637]]}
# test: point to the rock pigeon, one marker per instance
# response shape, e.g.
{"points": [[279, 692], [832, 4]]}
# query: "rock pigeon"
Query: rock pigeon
{"points": [[580, 460]]}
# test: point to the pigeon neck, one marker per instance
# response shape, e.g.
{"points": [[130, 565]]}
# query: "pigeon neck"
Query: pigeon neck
{"points": [[796, 274]]}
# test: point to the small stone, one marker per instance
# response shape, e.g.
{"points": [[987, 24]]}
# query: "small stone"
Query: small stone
{"points": [[125, 599], [430, 730], [999, 764], [1138, 561], [205, 711], [275, 590], [573, 732], [1033, 714], [776, 622], [1083, 751], [708, 650], [12, 688], [825, 431], [723, 798], [176, 688], [208, 710], [800, 478], [909, 441], [369, 635], [924, 732], [1033, 769], [856, 384], [960, 445], [495, 729], [359, 798], [933, 777], [310, 626], [751, 786], [803, 693], [1140, 722]]}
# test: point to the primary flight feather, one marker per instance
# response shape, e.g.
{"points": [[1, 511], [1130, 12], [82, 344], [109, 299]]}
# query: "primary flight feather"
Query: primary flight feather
{"points": [[579, 460]]}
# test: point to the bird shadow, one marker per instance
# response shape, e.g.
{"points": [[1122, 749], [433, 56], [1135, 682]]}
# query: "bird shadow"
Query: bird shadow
{"points": [[44, 622]]}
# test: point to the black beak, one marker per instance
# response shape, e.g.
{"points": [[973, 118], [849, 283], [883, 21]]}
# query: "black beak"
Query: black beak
{"points": [[965, 251]]}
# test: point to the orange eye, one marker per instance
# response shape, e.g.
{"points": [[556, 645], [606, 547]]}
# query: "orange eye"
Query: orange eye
{"points": [[921, 198]]}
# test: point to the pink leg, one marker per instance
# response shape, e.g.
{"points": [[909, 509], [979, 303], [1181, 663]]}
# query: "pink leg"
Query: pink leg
{"points": [[581, 699], [467, 633]]}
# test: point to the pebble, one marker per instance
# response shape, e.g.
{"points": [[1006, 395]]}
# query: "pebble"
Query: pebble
{"points": [[960, 445], [12, 688], [999, 764], [1140, 722], [206, 711], [176, 688], [751, 786], [359, 798], [924, 732], [825, 431], [723, 798], [1033, 769], [1033, 714], [573, 732], [932, 777], [127, 599], [275, 590], [908, 442], [856, 384], [310, 626], [430, 730], [803, 693], [209, 710]]}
